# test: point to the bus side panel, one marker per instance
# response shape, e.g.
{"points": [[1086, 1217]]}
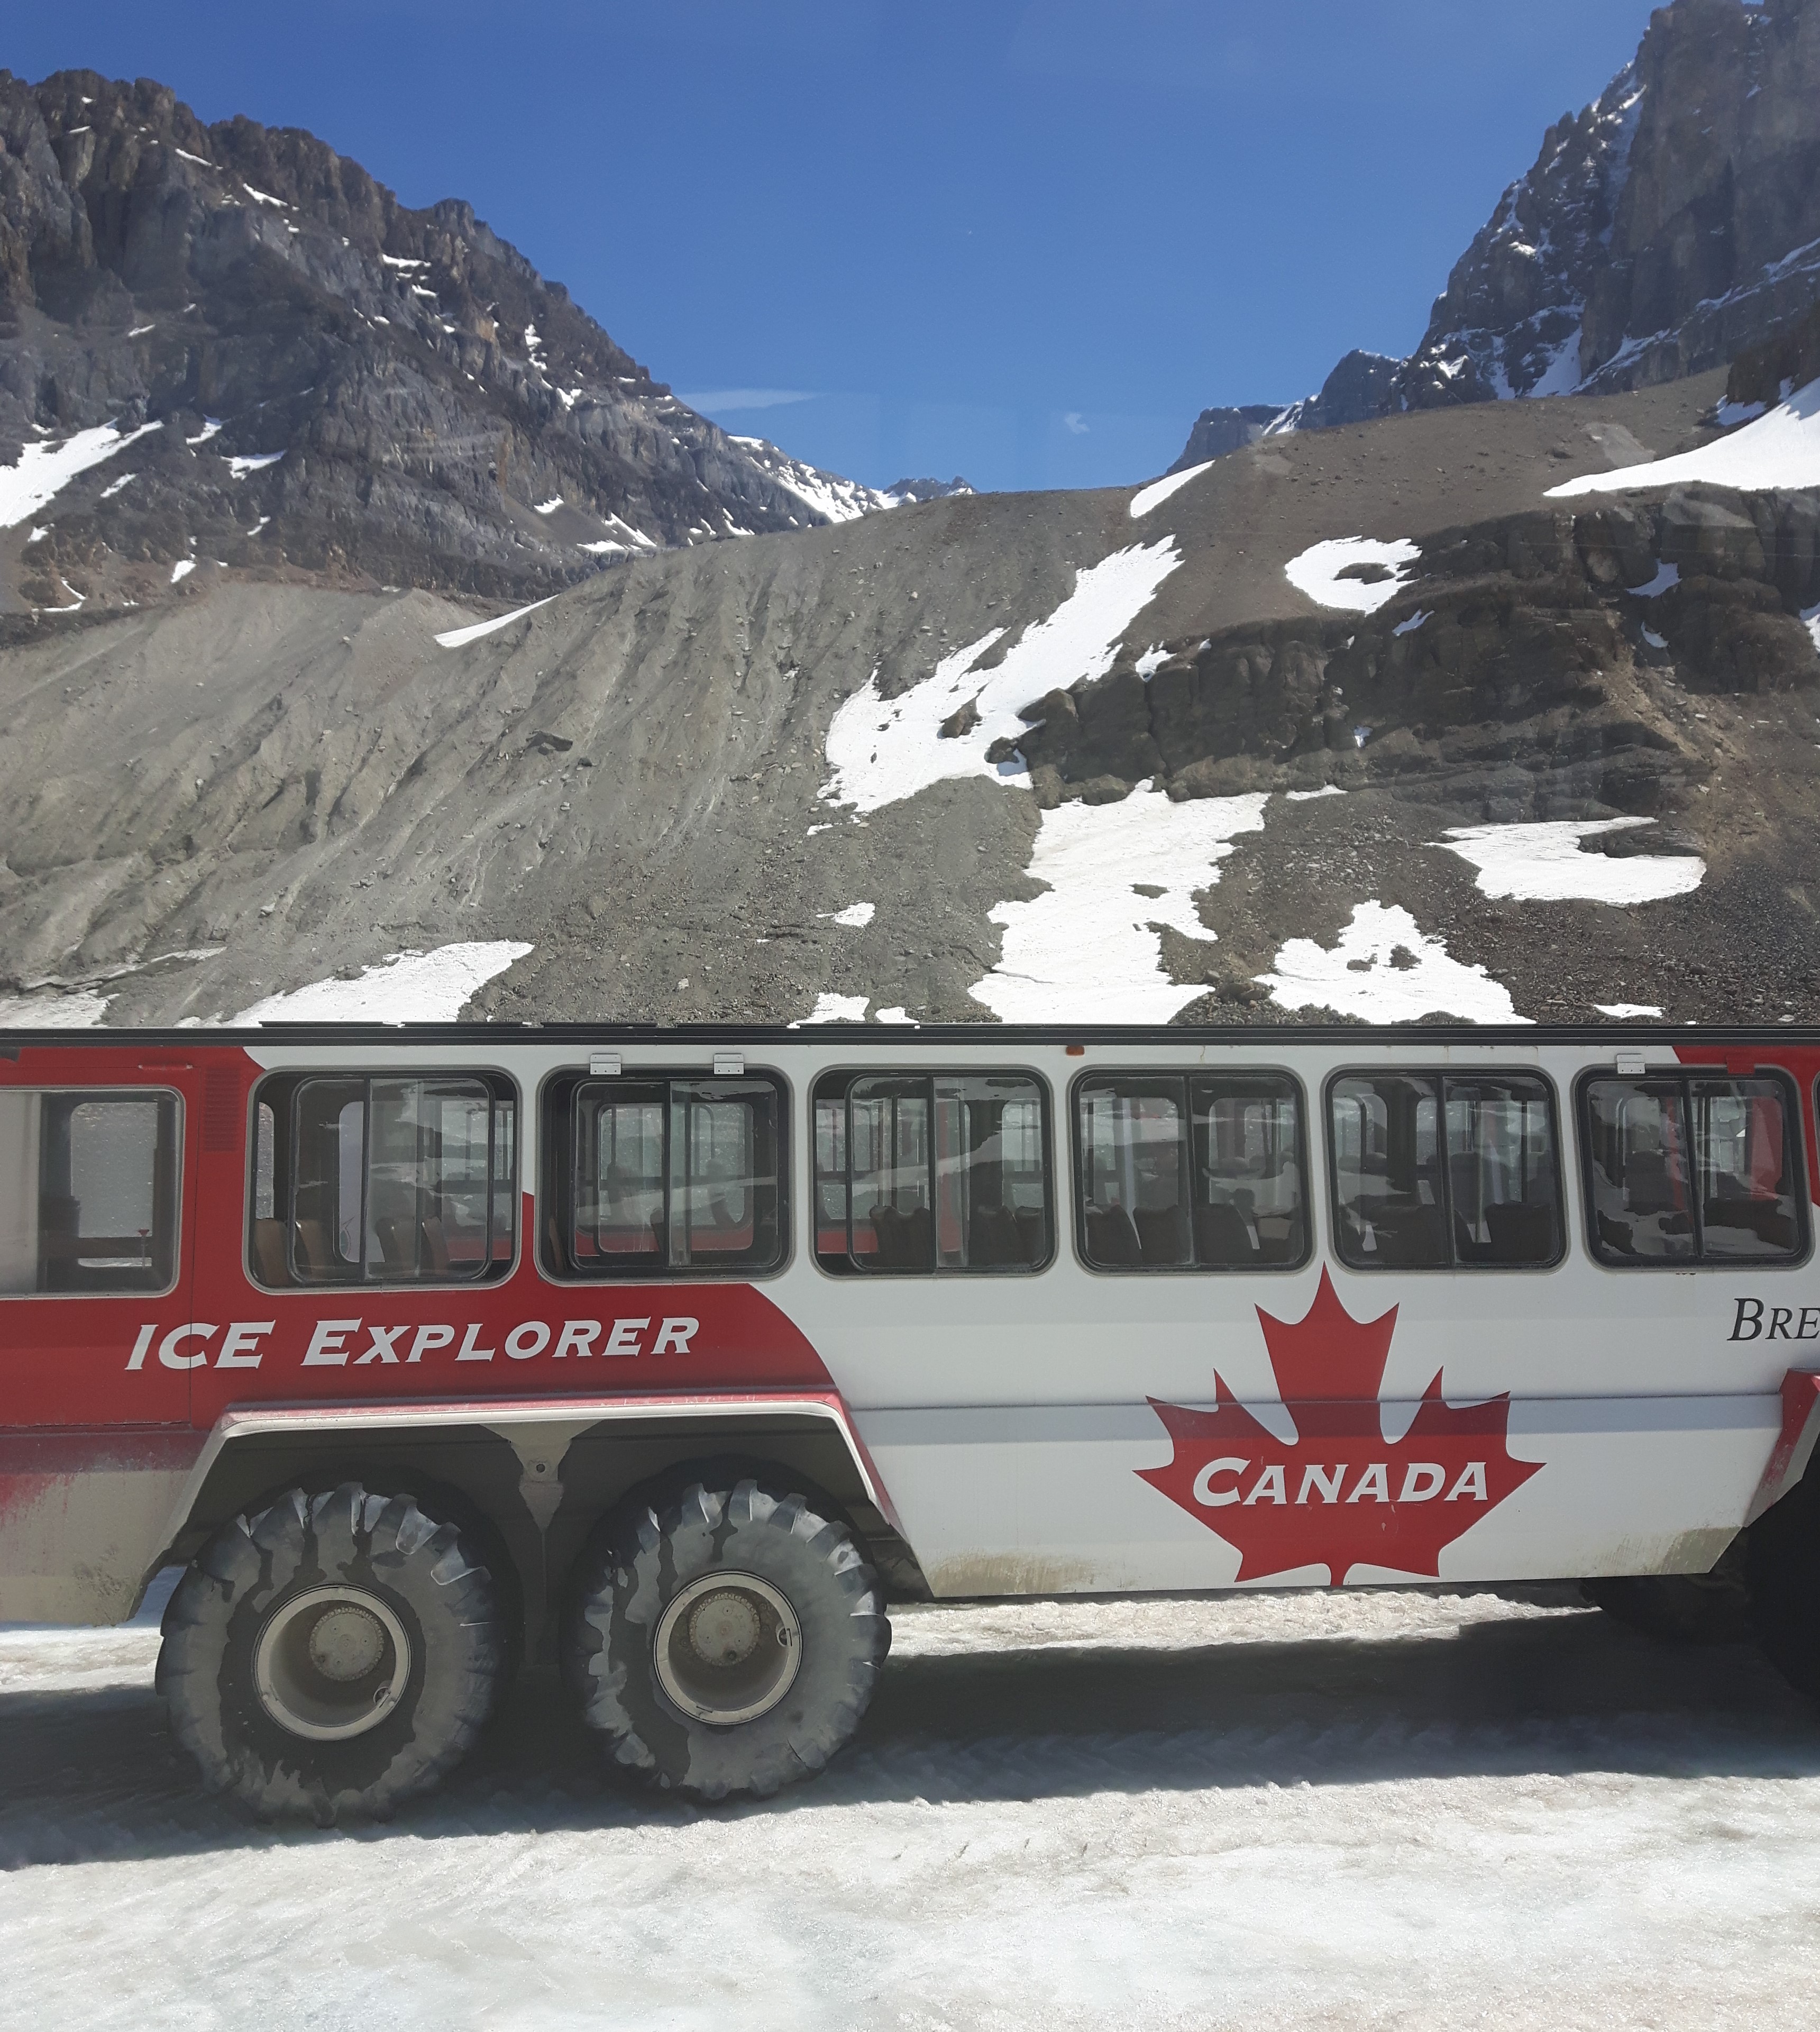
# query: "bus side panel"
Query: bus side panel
{"points": [[95, 1387], [82, 1519]]}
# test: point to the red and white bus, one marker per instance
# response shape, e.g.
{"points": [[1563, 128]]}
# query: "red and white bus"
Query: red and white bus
{"points": [[677, 1355]]}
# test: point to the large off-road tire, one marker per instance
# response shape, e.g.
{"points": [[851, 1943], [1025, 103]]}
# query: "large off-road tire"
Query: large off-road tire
{"points": [[725, 1639], [331, 1654], [1782, 1572]]}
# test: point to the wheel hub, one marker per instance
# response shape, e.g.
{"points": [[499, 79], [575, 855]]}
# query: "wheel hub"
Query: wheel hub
{"points": [[728, 1647], [331, 1662]]}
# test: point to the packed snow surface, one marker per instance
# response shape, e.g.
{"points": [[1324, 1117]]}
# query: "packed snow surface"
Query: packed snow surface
{"points": [[1666, 579], [43, 470], [407, 988], [1541, 863], [257, 462], [1385, 969], [1779, 450], [1159, 491], [1317, 571], [1087, 950], [1627, 1011], [881, 750], [1370, 1810], [855, 916], [455, 638]]}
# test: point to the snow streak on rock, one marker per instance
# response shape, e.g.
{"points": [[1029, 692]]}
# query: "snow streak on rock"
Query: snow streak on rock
{"points": [[1781, 449], [1328, 573], [1542, 863], [1159, 491], [881, 750], [455, 638], [407, 988], [826, 494], [1089, 949], [43, 470], [1386, 970]]}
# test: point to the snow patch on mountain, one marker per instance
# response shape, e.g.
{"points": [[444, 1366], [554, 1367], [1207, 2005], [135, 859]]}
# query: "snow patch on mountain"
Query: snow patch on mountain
{"points": [[405, 987], [1089, 948], [456, 638], [1159, 491], [827, 495], [1541, 862], [72, 1009], [1330, 573], [1385, 969], [42, 470], [1781, 449], [881, 750]]}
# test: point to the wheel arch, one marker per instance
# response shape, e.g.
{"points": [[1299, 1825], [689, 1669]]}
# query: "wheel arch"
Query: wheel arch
{"points": [[533, 1477]]}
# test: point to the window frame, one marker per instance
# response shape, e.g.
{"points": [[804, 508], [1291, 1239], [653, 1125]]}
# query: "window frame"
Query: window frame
{"points": [[1187, 1076], [293, 1079], [854, 1273], [180, 1154], [556, 1161], [1683, 1076], [1442, 1074]]}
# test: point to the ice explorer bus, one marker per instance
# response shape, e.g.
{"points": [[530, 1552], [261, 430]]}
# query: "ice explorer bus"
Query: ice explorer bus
{"points": [[675, 1356]]}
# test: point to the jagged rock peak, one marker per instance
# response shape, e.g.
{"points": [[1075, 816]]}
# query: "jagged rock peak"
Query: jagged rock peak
{"points": [[1665, 229]]}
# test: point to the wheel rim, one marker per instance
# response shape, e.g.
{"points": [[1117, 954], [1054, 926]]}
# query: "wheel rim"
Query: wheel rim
{"points": [[728, 1649], [330, 1663]]}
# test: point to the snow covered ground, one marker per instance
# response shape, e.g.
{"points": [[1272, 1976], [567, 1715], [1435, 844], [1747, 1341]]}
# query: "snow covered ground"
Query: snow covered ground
{"points": [[1321, 571], [1384, 968], [1370, 1810], [1087, 950], [407, 988], [880, 750], [1541, 861], [1781, 449]]}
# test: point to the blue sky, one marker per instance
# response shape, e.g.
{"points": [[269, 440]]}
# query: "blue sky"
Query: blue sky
{"points": [[1023, 239]]}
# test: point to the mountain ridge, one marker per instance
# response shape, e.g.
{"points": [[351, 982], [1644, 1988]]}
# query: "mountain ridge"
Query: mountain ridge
{"points": [[384, 393]]}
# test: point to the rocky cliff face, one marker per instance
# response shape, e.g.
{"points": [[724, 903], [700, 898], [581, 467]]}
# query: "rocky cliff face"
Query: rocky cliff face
{"points": [[349, 387], [1663, 230]]}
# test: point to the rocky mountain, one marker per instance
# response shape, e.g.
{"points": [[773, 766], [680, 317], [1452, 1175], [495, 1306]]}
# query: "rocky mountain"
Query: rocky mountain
{"points": [[1501, 710], [1663, 230], [349, 389], [1174, 753]]}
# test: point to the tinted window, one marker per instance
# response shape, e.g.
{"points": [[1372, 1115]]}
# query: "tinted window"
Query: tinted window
{"points": [[938, 1174], [1432, 1172], [1688, 1169], [358, 1179], [665, 1177], [1190, 1173], [88, 1191]]}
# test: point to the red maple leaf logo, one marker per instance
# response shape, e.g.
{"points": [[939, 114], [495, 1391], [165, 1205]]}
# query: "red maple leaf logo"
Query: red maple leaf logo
{"points": [[1340, 1495]]}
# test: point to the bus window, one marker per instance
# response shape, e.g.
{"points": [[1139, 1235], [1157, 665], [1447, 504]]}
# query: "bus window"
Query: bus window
{"points": [[1692, 1169], [396, 1181], [1181, 1173], [939, 1175], [1432, 1172], [88, 1191], [1249, 1212], [665, 1177]]}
